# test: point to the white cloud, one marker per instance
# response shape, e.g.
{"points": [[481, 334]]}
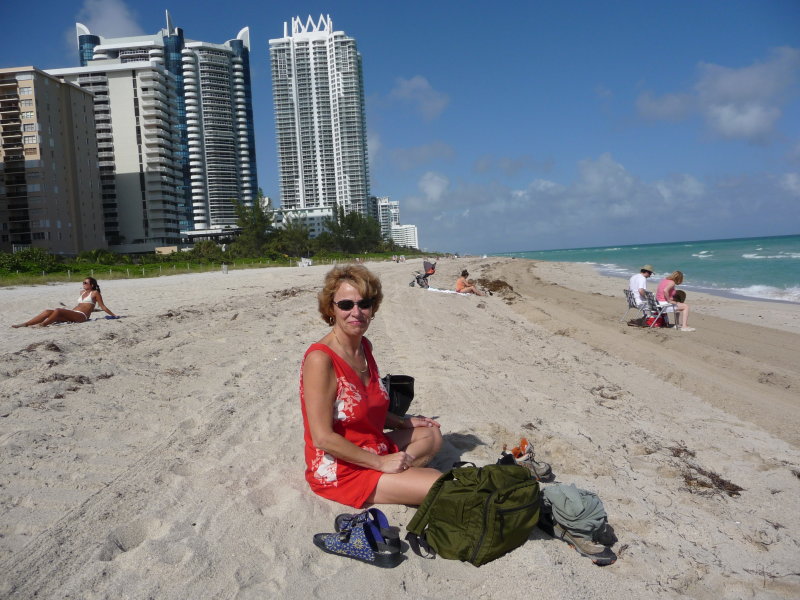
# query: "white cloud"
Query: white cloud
{"points": [[408, 158], [744, 103], [669, 107], [603, 92], [760, 82], [510, 165], [420, 93], [604, 176], [606, 204], [109, 18], [791, 183], [373, 146], [752, 122], [794, 154], [433, 185]]}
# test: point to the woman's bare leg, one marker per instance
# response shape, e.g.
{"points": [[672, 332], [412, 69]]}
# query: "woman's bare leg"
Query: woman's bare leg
{"points": [[63, 315], [35, 320], [683, 313], [423, 443], [408, 487]]}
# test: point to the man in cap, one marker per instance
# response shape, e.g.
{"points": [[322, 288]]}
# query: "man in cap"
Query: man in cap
{"points": [[638, 285]]}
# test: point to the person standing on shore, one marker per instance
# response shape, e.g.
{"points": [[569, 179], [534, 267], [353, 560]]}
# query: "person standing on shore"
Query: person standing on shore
{"points": [[638, 285]]}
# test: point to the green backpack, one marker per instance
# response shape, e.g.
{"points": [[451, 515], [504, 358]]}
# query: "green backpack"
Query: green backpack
{"points": [[476, 514]]}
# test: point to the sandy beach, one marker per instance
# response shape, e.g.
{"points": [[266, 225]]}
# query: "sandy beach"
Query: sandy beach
{"points": [[161, 455]]}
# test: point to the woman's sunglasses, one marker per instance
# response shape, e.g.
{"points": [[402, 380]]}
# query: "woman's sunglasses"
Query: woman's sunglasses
{"points": [[363, 304]]}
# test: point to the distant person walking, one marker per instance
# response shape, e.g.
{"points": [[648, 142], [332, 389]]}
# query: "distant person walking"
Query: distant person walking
{"points": [[638, 285], [665, 294], [464, 286], [87, 299]]}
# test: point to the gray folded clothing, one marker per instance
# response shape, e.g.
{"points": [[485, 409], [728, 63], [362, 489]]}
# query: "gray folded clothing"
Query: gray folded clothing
{"points": [[578, 510]]}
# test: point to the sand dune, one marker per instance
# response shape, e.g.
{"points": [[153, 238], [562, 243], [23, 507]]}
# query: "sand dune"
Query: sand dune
{"points": [[160, 455]]}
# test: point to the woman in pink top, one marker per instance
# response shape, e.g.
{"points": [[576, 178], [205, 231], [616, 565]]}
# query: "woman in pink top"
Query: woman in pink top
{"points": [[664, 295]]}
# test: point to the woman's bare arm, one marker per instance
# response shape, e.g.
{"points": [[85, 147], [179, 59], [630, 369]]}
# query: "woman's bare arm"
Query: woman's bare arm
{"points": [[319, 390], [99, 299]]}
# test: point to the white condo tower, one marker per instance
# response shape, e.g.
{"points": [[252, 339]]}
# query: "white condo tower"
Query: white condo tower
{"points": [[320, 122]]}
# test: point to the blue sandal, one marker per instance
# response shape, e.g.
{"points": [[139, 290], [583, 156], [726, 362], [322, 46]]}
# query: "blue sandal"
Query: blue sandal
{"points": [[374, 516], [362, 542]]}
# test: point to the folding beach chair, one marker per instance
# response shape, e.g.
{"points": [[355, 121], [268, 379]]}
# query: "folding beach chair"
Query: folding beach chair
{"points": [[632, 304], [656, 310]]}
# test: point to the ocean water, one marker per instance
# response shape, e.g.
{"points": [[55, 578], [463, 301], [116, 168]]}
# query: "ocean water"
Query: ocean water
{"points": [[767, 268]]}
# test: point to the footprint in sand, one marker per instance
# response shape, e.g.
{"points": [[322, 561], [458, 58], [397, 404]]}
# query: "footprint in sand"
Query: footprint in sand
{"points": [[123, 539]]}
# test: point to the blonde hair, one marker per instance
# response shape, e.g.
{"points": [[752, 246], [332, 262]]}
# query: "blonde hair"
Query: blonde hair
{"points": [[361, 278], [677, 277]]}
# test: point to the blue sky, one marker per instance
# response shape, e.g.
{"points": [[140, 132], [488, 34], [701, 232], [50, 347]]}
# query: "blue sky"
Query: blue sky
{"points": [[541, 125]]}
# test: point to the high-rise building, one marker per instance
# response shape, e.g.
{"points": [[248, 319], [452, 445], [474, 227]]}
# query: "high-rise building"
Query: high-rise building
{"points": [[405, 235], [387, 213], [219, 123], [320, 122], [135, 107], [175, 132], [49, 183]]}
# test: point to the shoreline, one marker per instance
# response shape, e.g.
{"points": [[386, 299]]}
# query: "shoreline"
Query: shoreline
{"points": [[604, 272], [700, 289], [584, 277], [161, 454]]}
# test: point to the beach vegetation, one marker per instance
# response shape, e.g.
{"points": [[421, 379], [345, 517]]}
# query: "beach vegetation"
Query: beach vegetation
{"points": [[256, 229], [350, 232], [259, 244]]}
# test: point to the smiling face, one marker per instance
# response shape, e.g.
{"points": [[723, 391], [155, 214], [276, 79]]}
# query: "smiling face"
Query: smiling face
{"points": [[357, 277], [354, 321]]}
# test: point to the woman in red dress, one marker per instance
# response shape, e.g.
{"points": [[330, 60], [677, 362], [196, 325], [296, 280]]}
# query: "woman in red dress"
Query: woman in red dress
{"points": [[349, 458]]}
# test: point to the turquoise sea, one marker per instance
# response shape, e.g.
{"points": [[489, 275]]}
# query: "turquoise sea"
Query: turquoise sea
{"points": [[767, 268]]}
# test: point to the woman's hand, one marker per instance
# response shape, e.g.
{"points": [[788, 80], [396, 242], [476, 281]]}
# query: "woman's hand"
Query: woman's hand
{"points": [[396, 463], [421, 422]]}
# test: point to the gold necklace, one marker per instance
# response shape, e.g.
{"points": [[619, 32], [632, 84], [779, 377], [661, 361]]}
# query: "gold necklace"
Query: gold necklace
{"points": [[366, 364]]}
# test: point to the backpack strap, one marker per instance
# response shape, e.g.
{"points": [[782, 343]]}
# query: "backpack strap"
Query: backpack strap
{"points": [[419, 544], [416, 527]]}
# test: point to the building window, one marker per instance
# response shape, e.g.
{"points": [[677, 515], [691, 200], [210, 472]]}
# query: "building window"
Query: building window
{"points": [[27, 114], [29, 127], [29, 139], [25, 91], [24, 76], [27, 102], [38, 235]]}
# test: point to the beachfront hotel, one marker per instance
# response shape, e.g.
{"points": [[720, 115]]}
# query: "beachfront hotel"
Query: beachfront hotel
{"points": [[387, 213], [320, 122], [174, 130], [49, 181]]}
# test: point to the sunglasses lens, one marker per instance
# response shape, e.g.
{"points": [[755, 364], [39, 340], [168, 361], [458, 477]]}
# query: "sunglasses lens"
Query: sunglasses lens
{"points": [[363, 304]]}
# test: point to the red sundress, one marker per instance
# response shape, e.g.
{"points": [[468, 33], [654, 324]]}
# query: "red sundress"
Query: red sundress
{"points": [[359, 415]]}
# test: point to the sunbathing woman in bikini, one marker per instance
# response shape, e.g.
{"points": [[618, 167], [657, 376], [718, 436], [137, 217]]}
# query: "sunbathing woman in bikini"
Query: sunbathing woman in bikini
{"points": [[466, 286], [87, 299]]}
